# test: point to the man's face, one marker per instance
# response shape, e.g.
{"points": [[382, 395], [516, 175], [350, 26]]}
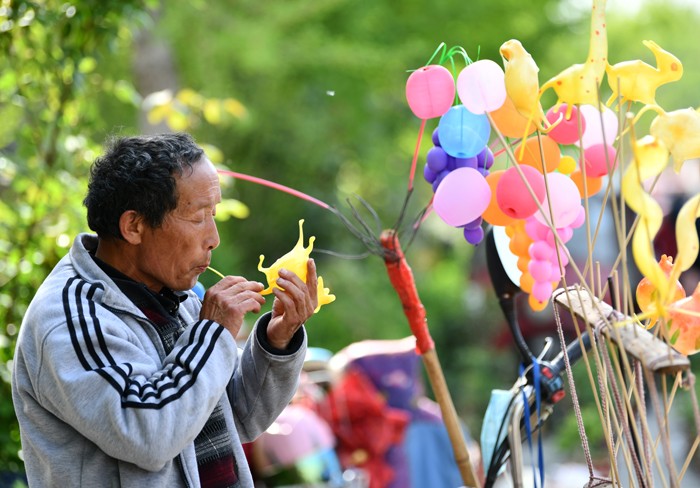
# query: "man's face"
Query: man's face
{"points": [[176, 253]]}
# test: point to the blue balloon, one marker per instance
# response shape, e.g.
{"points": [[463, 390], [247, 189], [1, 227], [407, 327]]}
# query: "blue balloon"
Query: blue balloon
{"points": [[199, 290], [463, 134]]}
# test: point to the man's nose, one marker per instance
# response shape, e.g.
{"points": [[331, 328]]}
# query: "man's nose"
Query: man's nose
{"points": [[213, 240]]}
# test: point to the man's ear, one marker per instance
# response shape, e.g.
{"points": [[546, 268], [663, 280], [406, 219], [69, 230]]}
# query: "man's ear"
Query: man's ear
{"points": [[131, 225]]}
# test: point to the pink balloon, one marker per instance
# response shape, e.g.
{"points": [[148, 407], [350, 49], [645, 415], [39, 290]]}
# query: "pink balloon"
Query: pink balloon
{"points": [[541, 250], [600, 160], [535, 230], [430, 91], [565, 234], [580, 219], [565, 198], [596, 129], [482, 87], [556, 273], [512, 195], [462, 197], [542, 290], [566, 131], [540, 270]]}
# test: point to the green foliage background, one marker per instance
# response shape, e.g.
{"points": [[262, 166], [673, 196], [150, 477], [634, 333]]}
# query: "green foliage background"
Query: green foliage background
{"points": [[320, 91]]}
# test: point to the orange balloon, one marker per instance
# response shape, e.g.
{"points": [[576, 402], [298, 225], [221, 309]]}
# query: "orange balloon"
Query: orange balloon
{"points": [[531, 151], [510, 122], [593, 185], [493, 213], [523, 263], [520, 243], [526, 282]]}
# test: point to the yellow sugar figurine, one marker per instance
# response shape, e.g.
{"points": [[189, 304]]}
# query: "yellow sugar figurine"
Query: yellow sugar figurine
{"points": [[295, 261], [324, 295]]}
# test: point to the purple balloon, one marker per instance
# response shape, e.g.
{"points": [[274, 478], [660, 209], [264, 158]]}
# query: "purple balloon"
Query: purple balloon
{"points": [[485, 158], [465, 162], [438, 179], [436, 138], [473, 224], [474, 236], [429, 174], [436, 159], [462, 197]]}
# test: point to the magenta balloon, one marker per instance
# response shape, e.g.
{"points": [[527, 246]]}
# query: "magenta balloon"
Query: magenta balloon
{"points": [[566, 131], [599, 127], [600, 160], [462, 197], [565, 198], [512, 195], [482, 87], [430, 91]]}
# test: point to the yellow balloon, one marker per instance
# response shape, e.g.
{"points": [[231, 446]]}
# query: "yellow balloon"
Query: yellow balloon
{"points": [[567, 165]]}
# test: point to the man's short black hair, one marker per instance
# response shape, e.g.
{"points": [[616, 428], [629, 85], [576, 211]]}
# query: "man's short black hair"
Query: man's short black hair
{"points": [[138, 173]]}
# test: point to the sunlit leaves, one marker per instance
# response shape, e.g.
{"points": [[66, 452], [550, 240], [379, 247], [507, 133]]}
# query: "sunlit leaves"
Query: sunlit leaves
{"points": [[52, 73], [230, 207], [186, 109]]}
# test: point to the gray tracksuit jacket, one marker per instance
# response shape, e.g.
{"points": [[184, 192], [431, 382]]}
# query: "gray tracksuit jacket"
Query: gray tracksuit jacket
{"points": [[99, 402]]}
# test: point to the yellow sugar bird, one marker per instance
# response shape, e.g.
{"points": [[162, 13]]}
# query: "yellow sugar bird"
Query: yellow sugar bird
{"points": [[522, 83]]}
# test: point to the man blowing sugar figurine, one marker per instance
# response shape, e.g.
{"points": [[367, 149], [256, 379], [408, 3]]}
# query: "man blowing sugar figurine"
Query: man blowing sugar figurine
{"points": [[122, 376]]}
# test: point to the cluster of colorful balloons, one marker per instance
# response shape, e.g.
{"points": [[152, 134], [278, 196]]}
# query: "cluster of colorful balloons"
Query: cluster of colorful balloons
{"points": [[540, 190], [460, 160]]}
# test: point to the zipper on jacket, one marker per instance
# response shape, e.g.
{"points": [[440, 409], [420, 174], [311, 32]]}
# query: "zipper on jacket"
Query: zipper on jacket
{"points": [[178, 461]]}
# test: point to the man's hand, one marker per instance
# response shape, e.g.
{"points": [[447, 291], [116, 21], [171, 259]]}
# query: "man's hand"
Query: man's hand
{"points": [[293, 306], [228, 301]]}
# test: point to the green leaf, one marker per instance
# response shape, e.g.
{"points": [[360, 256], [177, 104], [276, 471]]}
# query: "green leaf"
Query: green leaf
{"points": [[676, 334], [11, 116]]}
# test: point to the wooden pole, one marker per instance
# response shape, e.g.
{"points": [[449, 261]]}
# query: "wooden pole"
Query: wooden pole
{"points": [[402, 280], [449, 417]]}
